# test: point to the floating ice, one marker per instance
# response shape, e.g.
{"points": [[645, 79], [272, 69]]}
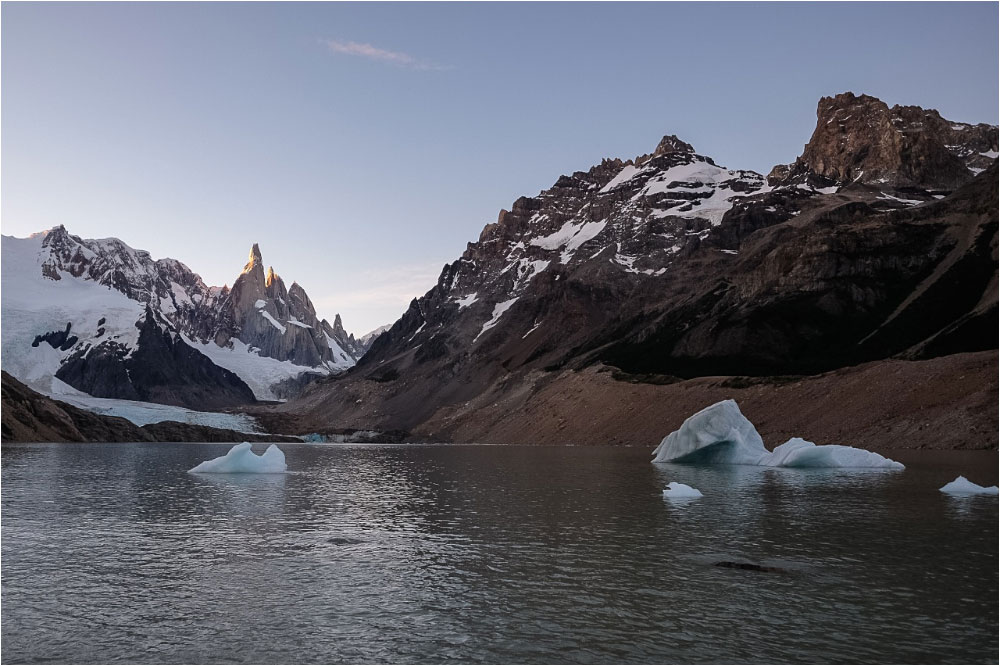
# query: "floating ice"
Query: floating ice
{"points": [[962, 486], [720, 434], [676, 490], [242, 460]]}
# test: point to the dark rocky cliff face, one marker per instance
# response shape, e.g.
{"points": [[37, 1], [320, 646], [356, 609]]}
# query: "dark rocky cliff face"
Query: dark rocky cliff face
{"points": [[670, 264], [162, 368], [859, 138]]}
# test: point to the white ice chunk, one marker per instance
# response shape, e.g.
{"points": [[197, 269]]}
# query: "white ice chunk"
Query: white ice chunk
{"points": [[242, 460], [962, 486], [797, 452], [260, 303], [675, 490], [720, 434]]}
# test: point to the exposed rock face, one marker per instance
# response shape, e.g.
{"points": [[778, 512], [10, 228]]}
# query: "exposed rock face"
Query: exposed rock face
{"points": [[125, 326], [669, 264], [281, 323], [161, 368], [861, 139]]}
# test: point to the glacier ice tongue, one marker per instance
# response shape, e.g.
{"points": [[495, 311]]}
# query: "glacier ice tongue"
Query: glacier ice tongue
{"points": [[242, 460], [721, 434], [962, 486], [675, 490]]}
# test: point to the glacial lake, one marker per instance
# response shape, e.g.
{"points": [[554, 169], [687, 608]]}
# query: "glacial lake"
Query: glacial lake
{"points": [[114, 553]]}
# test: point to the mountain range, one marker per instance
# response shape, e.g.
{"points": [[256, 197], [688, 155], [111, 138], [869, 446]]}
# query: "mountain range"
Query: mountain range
{"points": [[104, 319], [664, 277]]}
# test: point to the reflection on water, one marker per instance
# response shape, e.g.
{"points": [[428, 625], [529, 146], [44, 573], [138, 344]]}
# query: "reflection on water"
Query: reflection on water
{"points": [[114, 553]]}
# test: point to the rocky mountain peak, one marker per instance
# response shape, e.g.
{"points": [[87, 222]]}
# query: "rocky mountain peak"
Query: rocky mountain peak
{"points": [[671, 144], [859, 138], [271, 277], [255, 259]]}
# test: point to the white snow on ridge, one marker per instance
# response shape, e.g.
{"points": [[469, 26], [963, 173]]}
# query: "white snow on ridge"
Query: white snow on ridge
{"points": [[341, 361], [992, 154], [698, 177], [498, 312], [625, 175], [260, 303], [720, 434], [274, 322], [467, 301]]}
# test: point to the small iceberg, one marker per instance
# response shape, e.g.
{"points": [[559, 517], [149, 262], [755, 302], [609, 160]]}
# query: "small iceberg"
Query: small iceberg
{"points": [[962, 486], [242, 460], [676, 490], [720, 434]]}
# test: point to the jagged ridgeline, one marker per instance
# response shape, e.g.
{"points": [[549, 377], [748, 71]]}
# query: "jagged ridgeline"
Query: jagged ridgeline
{"points": [[878, 241], [101, 317]]}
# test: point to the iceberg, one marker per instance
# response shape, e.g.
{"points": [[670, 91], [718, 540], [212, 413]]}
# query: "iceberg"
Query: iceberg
{"points": [[242, 460], [675, 490], [720, 434], [962, 486]]}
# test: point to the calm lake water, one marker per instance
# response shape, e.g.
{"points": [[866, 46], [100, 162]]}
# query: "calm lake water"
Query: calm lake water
{"points": [[113, 553]]}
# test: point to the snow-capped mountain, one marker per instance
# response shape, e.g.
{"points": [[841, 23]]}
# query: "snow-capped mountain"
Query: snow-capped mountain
{"points": [[108, 320], [368, 338], [674, 265]]}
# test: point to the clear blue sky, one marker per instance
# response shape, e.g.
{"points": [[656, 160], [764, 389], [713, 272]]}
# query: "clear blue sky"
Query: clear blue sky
{"points": [[362, 145]]}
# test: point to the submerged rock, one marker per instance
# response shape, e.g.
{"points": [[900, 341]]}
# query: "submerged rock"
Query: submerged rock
{"points": [[747, 566]]}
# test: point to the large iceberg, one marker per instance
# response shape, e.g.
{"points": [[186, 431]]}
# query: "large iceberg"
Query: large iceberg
{"points": [[242, 460], [721, 434], [962, 486]]}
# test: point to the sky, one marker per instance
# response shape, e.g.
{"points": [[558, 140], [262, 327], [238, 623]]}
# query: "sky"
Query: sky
{"points": [[363, 145]]}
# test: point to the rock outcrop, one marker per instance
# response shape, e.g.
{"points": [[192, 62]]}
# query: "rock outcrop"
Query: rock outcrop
{"points": [[859, 138]]}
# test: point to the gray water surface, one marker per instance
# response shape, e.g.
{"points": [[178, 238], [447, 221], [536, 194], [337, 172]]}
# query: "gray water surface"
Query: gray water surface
{"points": [[114, 553]]}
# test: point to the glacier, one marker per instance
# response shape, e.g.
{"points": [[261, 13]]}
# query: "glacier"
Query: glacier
{"points": [[675, 490], [962, 486], [720, 434], [242, 460]]}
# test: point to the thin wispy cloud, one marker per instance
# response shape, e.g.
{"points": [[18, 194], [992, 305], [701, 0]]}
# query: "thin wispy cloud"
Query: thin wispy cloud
{"points": [[382, 55]]}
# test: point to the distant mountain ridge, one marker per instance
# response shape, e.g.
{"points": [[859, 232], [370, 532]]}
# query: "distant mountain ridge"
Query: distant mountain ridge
{"points": [[117, 324]]}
